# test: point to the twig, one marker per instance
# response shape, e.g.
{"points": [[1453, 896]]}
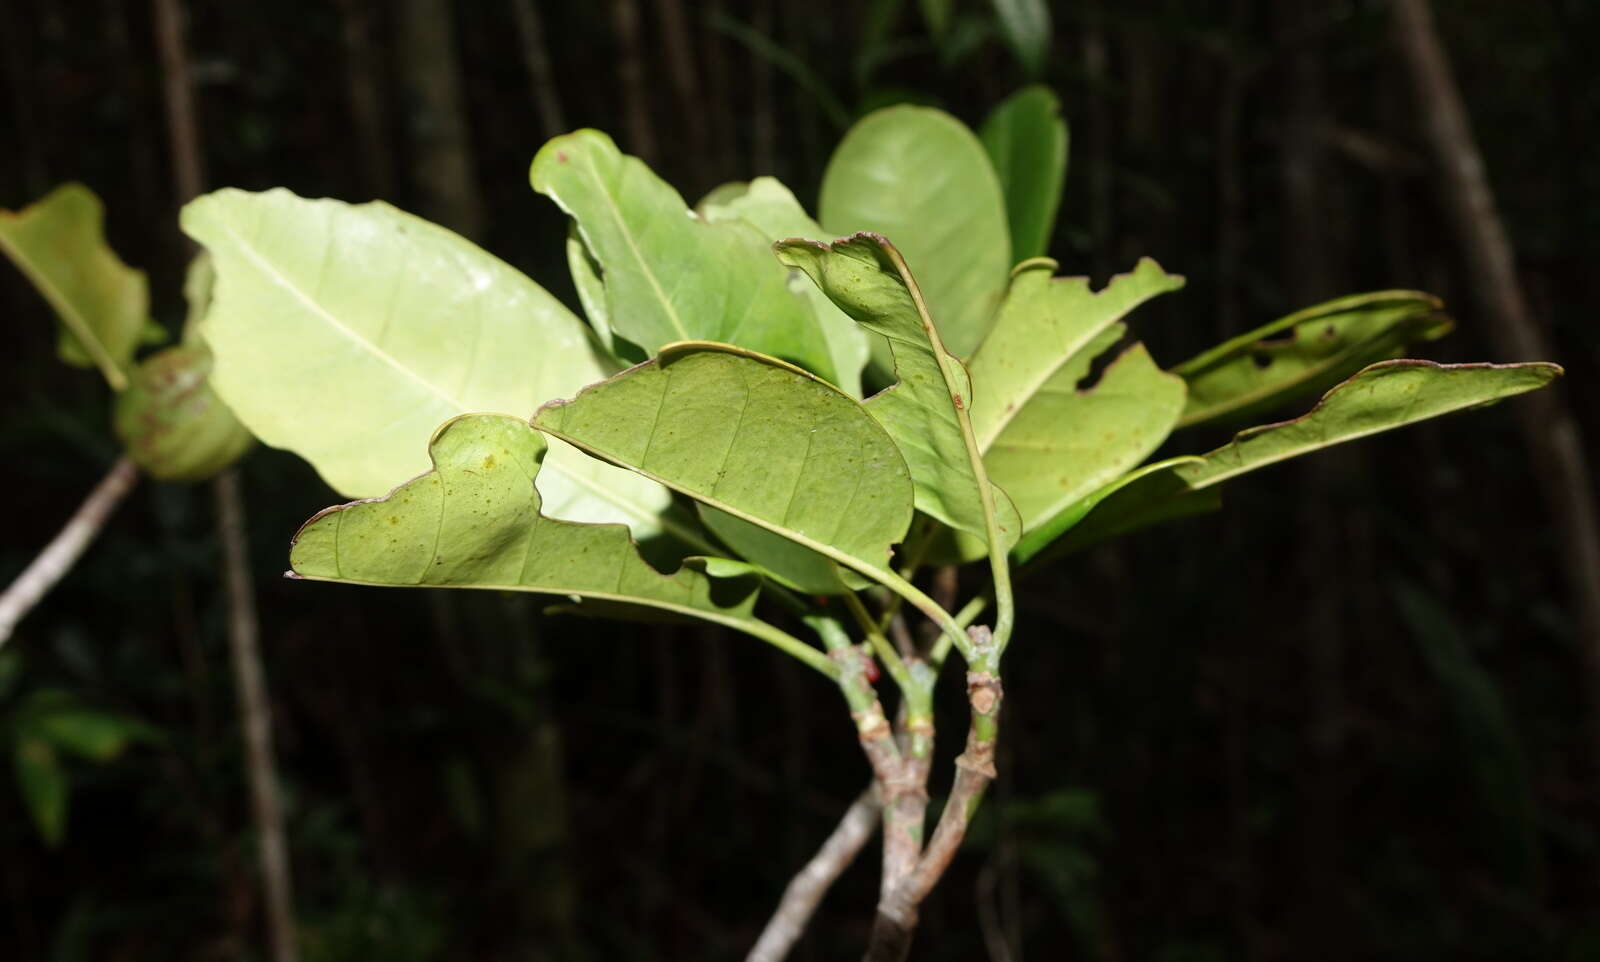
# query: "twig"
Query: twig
{"points": [[896, 921], [256, 716], [243, 623], [810, 884], [1554, 438], [66, 547]]}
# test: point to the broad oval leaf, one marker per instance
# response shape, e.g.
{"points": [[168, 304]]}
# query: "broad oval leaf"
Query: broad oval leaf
{"points": [[1047, 441], [668, 275], [347, 334], [770, 207], [1026, 138], [59, 244], [474, 521], [919, 177], [759, 439], [1304, 353], [1384, 396], [926, 411]]}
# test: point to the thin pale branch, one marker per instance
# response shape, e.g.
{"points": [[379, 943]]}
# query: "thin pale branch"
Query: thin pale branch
{"points": [[65, 548], [810, 884]]}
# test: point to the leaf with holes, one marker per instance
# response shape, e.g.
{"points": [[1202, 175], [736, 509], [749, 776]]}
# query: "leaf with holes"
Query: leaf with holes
{"points": [[668, 275], [1026, 138], [1384, 396], [347, 334], [1306, 352], [919, 177], [1045, 440], [475, 521], [756, 438], [926, 411], [59, 244]]}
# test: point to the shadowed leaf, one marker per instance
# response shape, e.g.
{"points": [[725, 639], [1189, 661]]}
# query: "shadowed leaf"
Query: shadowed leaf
{"points": [[1026, 138], [59, 244], [926, 410], [770, 208], [347, 334], [44, 787], [668, 275], [919, 177], [1304, 353], [474, 521]]}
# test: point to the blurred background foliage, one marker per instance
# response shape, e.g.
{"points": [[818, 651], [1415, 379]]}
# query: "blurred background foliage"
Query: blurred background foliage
{"points": [[1343, 718]]}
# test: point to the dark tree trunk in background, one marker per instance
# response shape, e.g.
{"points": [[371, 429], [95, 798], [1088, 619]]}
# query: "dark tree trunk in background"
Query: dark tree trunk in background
{"points": [[244, 627], [541, 78], [443, 178], [689, 117], [364, 85], [1552, 433], [763, 122], [1320, 575], [631, 81], [1098, 136]]}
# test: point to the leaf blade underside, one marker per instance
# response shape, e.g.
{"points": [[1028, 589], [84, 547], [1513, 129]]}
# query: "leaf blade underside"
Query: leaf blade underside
{"points": [[474, 521], [765, 442], [1381, 397], [348, 333]]}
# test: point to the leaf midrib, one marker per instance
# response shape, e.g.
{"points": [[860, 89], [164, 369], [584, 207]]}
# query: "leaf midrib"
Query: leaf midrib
{"points": [[249, 251], [638, 255]]}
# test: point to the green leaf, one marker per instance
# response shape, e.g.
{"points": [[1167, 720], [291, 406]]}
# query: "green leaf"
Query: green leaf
{"points": [[753, 437], [1045, 440], [936, 14], [1026, 26], [198, 281], [919, 177], [925, 412], [1026, 138], [347, 334], [89, 733], [1151, 495], [474, 521], [1306, 352], [171, 422], [10, 672], [44, 787], [772, 209], [59, 244], [668, 275], [1384, 396], [780, 559], [592, 295]]}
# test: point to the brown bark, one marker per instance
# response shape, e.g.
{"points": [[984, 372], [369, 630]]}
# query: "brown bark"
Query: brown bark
{"points": [[1552, 433]]}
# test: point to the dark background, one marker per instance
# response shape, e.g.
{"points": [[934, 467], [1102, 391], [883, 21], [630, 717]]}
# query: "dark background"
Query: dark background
{"points": [[1344, 718]]}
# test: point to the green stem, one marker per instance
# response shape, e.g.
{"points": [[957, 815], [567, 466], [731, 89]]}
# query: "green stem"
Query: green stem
{"points": [[786, 643], [880, 645]]}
